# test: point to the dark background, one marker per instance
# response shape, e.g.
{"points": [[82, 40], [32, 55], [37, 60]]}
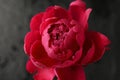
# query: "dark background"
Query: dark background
{"points": [[14, 24]]}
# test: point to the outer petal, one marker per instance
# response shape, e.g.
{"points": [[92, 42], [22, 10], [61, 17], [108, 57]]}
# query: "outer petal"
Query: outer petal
{"points": [[101, 42], [52, 15], [84, 19], [74, 72], [79, 13], [72, 61], [77, 9], [36, 21], [55, 11], [88, 52], [30, 38], [39, 55], [44, 74], [30, 67]]}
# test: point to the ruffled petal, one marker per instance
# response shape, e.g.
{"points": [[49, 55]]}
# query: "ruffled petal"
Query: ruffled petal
{"points": [[101, 43], [39, 55], [84, 19], [80, 37], [77, 9], [79, 13], [30, 67], [52, 15], [36, 21], [30, 38], [74, 72], [55, 11], [44, 74], [46, 23], [88, 52], [70, 41]]}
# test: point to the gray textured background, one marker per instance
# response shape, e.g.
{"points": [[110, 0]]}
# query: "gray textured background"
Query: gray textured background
{"points": [[14, 24]]}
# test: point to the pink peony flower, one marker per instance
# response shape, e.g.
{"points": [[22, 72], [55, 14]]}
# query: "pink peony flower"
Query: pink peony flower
{"points": [[59, 43]]}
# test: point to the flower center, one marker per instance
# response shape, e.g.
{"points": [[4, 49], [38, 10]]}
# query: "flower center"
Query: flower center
{"points": [[57, 34]]}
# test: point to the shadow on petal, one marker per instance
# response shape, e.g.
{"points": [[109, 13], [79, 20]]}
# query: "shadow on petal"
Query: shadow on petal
{"points": [[74, 72]]}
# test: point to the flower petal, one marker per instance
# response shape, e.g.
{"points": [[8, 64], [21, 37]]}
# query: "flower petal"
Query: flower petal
{"points": [[44, 74], [70, 41], [74, 72], [52, 15], [84, 19], [36, 21], [30, 67], [88, 52], [29, 40], [39, 55], [72, 61], [77, 9], [101, 42], [80, 37], [55, 11], [46, 23], [79, 13]]}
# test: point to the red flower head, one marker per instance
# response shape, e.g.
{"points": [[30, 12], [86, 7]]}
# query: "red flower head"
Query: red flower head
{"points": [[60, 44]]}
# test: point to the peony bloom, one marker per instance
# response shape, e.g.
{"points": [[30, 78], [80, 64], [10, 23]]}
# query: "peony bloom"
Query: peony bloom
{"points": [[59, 43]]}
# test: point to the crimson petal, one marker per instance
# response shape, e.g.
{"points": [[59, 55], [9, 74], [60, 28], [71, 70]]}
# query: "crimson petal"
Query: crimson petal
{"points": [[80, 37], [39, 55], [74, 72], [79, 13], [36, 21], [45, 23], [84, 19], [53, 14], [101, 42], [44, 74], [70, 41], [29, 40], [55, 11], [30, 67], [77, 9], [88, 52]]}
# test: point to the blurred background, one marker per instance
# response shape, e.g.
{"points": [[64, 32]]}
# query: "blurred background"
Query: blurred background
{"points": [[15, 16]]}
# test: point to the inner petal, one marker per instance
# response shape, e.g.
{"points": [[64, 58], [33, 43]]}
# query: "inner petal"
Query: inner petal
{"points": [[57, 33], [58, 40]]}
